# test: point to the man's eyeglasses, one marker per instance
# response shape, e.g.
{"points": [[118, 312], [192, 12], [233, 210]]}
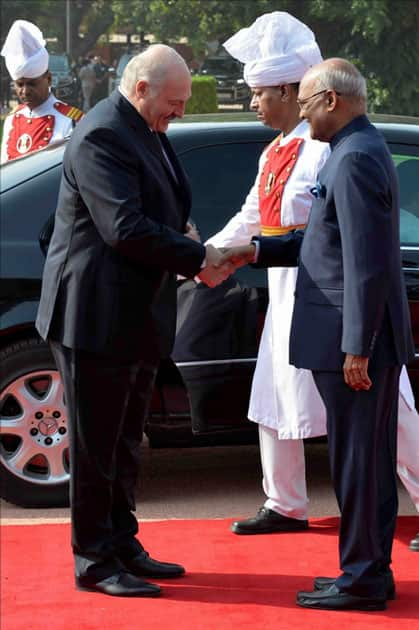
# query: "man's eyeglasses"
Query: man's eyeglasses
{"points": [[304, 101]]}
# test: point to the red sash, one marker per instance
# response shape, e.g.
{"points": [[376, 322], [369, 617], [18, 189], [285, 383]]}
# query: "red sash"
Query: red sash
{"points": [[277, 169]]}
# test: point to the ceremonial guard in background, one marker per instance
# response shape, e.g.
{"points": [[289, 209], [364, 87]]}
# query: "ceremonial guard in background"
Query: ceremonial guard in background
{"points": [[40, 119]]}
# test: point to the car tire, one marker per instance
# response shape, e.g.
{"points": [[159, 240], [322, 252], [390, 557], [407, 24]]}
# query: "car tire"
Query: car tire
{"points": [[34, 458]]}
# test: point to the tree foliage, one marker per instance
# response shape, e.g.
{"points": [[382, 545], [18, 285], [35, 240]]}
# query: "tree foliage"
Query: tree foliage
{"points": [[89, 20], [380, 36]]}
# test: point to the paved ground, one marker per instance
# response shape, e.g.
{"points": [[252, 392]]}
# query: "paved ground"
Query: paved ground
{"points": [[216, 482]]}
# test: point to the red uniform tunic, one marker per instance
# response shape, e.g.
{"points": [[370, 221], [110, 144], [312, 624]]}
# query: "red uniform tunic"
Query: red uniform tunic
{"points": [[26, 131], [279, 164]]}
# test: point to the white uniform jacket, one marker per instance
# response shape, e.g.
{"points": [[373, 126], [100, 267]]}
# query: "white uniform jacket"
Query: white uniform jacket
{"points": [[283, 398]]}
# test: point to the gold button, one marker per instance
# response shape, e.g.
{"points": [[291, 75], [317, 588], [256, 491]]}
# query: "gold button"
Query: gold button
{"points": [[49, 117], [277, 150], [46, 139], [288, 169], [48, 128], [293, 156], [281, 181], [29, 121]]}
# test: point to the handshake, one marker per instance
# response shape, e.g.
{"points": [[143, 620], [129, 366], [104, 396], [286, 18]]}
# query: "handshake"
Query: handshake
{"points": [[221, 263]]}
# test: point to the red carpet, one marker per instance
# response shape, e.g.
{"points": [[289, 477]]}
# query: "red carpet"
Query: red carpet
{"points": [[233, 582]]}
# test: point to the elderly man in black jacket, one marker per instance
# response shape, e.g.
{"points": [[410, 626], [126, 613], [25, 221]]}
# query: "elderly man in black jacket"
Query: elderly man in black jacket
{"points": [[108, 305]]}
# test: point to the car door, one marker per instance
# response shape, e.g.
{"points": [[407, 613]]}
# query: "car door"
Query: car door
{"points": [[216, 348]]}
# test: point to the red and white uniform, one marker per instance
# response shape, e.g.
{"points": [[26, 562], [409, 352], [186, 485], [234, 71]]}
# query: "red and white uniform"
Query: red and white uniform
{"points": [[27, 130], [283, 398]]}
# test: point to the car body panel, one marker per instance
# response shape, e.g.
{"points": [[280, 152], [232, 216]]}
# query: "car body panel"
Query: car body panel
{"points": [[208, 395]]}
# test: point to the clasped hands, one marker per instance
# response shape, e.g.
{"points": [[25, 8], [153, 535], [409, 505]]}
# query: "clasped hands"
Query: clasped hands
{"points": [[221, 263]]}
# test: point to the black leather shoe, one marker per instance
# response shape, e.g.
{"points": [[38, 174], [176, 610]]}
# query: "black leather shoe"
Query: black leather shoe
{"points": [[142, 565], [121, 584], [320, 583], [414, 543], [267, 521], [333, 599]]}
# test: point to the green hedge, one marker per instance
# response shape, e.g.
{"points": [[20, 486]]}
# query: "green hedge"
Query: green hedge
{"points": [[204, 96]]}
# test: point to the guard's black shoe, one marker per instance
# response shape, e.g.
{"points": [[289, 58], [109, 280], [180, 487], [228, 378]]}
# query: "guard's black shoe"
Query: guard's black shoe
{"points": [[414, 543], [142, 565], [320, 583], [333, 599], [267, 521], [121, 584]]}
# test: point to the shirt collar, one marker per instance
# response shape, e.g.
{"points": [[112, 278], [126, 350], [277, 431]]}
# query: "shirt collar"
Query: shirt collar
{"points": [[360, 122], [42, 110], [298, 132], [125, 96]]}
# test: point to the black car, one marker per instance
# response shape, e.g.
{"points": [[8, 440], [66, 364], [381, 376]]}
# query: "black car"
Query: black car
{"points": [[65, 84], [202, 393], [231, 87]]}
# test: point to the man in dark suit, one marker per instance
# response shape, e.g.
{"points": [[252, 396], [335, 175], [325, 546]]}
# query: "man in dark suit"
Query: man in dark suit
{"points": [[350, 327], [108, 305]]}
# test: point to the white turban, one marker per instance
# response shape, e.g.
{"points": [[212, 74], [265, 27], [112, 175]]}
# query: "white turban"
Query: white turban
{"points": [[276, 49], [24, 51]]}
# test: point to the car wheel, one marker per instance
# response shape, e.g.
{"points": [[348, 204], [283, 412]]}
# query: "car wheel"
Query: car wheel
{"points": [[34, 454]]}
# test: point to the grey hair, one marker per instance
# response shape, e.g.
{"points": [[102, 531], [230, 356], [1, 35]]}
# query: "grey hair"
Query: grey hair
{"points": [[343, 78], [152, 65]]}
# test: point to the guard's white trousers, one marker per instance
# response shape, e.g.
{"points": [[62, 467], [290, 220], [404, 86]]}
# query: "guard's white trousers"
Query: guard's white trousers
{"points": [[283, 465]]}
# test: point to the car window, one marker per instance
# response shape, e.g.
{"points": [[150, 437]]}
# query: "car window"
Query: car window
{"points": [[407, 166], [22, 218], [220, 66], [218, 196]]}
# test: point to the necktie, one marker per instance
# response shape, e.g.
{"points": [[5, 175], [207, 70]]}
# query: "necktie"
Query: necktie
{"points": [[166, 157]]}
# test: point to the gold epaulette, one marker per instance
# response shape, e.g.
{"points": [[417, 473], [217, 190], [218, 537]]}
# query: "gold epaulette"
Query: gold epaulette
{"points": [[68, 110]]}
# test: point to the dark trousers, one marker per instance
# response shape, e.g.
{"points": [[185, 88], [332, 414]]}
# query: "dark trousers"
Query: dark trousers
{"points": [[107, 401], [362, 436]]}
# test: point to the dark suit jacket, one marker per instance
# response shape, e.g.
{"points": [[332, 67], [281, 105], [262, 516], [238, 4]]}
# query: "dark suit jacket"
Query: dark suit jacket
{"points": [[350, 290], [109, 278]]}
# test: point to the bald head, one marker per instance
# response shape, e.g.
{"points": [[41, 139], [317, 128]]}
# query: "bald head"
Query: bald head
{"points": [[331, 94], [157, 82], [339, 75], [154, 66]]}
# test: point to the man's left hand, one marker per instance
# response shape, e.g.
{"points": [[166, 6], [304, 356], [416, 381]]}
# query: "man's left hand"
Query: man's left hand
{"points": [[355, 372], [216, 270]]}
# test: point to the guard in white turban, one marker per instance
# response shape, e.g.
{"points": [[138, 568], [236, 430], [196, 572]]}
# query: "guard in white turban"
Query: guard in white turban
{"points": [[40, 119], [277, 51]]}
